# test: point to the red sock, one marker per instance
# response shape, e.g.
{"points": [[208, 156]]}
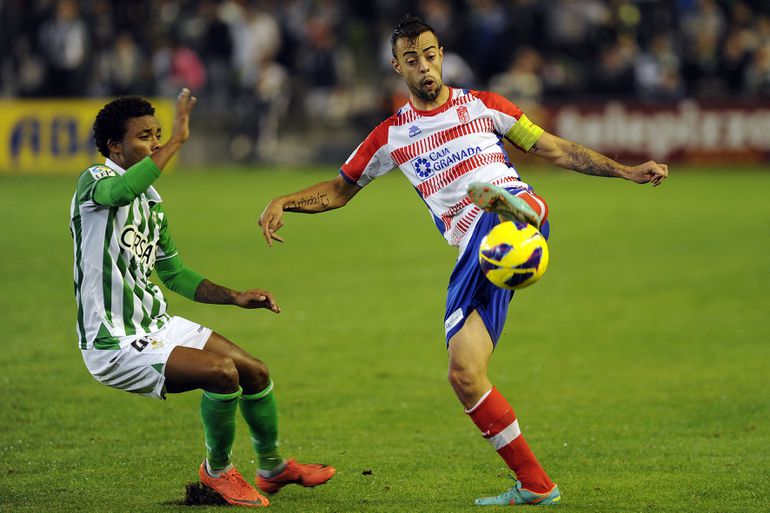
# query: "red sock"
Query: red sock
{"points": [[495, 419], [537, 203]]}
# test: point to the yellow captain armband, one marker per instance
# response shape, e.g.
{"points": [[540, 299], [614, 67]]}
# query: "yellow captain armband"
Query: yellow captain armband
{"points": [[524, 133]]}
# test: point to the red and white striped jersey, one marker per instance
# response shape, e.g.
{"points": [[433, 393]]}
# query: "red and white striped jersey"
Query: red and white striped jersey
{"points": [[441, 151]]}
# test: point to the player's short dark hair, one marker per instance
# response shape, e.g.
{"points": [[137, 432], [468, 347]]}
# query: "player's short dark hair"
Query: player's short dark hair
{"points": [[110, 123], [409, 27]]}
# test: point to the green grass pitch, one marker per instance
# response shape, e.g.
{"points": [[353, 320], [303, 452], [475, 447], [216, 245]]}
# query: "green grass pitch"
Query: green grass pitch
{"points": [[639, 366]]}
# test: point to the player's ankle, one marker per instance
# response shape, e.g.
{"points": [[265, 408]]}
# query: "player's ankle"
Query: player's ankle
{"points": [[270, 473], [217, 471]]}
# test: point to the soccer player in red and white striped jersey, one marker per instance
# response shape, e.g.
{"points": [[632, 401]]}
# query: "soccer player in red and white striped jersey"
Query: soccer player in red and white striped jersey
{"points": [[444, 140]]}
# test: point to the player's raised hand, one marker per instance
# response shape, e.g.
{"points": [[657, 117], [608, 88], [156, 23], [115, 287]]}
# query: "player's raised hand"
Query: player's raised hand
{"points": [[650, 171], [256, 298], [271, 221], [180, 132], [185, 102]]}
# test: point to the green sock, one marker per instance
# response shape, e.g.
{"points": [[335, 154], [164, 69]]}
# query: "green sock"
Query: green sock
{"points": [[261, 414], [218, 414]]}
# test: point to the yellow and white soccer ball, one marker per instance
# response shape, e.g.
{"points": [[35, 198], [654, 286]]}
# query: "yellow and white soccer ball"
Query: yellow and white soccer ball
{"points": [[513, 255]]}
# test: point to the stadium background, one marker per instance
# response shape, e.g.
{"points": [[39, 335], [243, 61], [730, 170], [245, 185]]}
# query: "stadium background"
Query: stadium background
{"points": [[687, 80], [638, 365]]}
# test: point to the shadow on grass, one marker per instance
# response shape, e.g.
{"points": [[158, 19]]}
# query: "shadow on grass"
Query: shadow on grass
{"points": [[197, 494]]}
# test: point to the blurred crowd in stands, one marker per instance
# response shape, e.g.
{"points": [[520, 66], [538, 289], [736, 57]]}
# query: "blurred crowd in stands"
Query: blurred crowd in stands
{"points": [[328, 60]]}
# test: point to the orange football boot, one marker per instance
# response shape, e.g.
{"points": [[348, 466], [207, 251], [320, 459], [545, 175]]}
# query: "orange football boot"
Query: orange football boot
{"points": [[233, 488], [296, 473]]}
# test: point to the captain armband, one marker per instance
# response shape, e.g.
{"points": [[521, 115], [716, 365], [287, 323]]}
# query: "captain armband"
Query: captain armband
{"points": [[524, 133]]}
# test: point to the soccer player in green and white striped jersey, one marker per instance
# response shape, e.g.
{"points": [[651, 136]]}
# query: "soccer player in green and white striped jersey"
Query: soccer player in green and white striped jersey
{"points": [[127, 338]]}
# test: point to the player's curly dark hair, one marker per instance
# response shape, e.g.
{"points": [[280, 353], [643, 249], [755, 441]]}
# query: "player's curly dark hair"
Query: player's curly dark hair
{"points": [[409, 27], [110, 123]]}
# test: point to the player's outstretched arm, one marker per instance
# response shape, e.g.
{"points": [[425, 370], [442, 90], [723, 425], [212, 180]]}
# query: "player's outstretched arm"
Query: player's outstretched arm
{"points": [[180, 132], [317, 198], [209, 292], [571, 155], [122, 190]]}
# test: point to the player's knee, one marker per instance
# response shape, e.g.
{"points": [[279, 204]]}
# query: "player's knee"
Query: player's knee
{"points": [[224, 375], [464, 380], [257, 374]]}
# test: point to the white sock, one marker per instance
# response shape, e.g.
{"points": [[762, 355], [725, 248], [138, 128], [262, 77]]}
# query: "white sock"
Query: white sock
{"points": [[218, 472], [267, 474]]}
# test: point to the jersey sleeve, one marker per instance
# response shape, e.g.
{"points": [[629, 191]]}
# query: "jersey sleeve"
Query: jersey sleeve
{"points": [[510, 121], [89, 179], [111, 189], [371, 159]]}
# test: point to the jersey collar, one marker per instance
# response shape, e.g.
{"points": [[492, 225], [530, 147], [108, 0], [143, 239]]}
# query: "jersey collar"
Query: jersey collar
{"points": [[112, 165], [438, 110]]}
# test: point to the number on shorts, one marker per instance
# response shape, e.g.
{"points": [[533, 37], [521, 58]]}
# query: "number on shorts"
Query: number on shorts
{"points": [[140, 343]]}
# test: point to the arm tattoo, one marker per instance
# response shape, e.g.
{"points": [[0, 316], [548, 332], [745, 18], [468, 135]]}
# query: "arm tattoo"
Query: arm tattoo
{"points": [[315, 203], [590, 162], [211, 293]]}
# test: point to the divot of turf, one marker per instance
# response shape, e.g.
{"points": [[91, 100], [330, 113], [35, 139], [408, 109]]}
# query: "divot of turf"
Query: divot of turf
{"points": [[198, 494]]}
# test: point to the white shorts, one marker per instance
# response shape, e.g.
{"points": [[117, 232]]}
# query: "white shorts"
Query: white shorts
{"points": [[139, 365]]}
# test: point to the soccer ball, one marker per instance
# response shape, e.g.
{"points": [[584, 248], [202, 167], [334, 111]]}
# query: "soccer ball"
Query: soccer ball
{"points": [[513, 255]]}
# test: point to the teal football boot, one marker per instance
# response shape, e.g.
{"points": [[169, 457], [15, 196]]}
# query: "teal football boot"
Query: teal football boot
{"points": [[517, 495], [492, 198]]}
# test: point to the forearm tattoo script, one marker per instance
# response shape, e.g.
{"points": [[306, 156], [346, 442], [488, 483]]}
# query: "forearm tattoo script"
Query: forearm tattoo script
{"points": [[320, 199]]}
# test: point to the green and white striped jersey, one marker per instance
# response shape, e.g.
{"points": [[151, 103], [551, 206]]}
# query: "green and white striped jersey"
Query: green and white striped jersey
{"points": [[116, 248]]}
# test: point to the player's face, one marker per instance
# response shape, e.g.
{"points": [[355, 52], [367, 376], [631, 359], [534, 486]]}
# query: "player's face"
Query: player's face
{"points": [[419, 64], [142, 137]]}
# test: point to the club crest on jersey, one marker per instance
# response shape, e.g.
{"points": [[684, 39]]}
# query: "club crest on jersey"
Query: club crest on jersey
{"points": [[422, 168], [414, 130], [100, 172], [462, 114], [143, 249]]}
